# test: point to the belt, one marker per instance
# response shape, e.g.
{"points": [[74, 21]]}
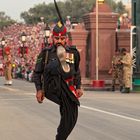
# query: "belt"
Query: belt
{"points": [[71, 86], [69, 81]]}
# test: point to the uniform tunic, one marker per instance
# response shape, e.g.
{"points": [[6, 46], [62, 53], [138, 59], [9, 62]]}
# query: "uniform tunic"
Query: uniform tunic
{"points": [[127, 64], [57, 85], [117, 70], [8, 68]]}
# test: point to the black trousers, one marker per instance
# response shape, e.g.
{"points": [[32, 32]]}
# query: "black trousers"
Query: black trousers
{"points": [[69, 115]]}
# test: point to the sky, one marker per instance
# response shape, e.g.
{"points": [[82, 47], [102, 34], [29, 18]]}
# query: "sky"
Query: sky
{"points": [[13, 8]]}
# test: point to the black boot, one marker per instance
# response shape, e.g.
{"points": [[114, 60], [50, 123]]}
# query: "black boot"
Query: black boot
{"points": [[125, 90], [128, 90], [113, 88], [121, 88]]}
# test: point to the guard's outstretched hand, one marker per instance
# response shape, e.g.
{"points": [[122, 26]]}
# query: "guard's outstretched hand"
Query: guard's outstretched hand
{"points": [[79, 92], [40, 96]]}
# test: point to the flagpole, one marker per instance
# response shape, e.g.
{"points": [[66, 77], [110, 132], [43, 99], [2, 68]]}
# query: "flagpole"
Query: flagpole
{"points": [[98, 84], [97, 41]]}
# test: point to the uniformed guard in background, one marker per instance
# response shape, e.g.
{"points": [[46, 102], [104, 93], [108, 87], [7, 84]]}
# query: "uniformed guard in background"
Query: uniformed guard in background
{"points": [[117, 70], [127, 73], [8, 69], [57, 77]]}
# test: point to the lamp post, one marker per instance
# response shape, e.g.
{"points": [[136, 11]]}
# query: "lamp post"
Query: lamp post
{"points": [[42, 22], [133, 51], [3, 44], [42, 19], [46, 35], [23, 39]]}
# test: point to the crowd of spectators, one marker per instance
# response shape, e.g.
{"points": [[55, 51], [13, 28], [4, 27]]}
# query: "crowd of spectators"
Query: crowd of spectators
{"points": [[22, 66], [124, 21]]}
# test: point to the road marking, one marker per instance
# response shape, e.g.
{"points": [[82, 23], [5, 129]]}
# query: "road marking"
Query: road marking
{"points": [[15, 90], [109, 113], [8, 88], [82, 106], [23, 99], [30, 93]]}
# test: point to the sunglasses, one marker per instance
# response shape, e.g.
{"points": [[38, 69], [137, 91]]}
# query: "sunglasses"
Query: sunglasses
{"points": [[60, 37]]}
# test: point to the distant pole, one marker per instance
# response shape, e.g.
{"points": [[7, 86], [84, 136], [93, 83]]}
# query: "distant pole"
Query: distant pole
{"points": [[132, 52], [97, 40], [97, 83]]}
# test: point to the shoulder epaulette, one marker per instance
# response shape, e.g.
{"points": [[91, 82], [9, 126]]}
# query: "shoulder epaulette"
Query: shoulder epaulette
{"points": [[72, 47], [48, 48], [44, 49]]}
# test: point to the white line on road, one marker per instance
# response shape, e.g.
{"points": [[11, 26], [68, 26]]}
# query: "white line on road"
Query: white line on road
{"points": [[85, 107], [8, 88], [23, 99], [109, 113]]}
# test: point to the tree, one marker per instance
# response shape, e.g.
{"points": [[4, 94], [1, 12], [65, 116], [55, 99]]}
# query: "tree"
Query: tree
{"points": [[120, 8], [5, 20], [73, 8], [33, 15]]}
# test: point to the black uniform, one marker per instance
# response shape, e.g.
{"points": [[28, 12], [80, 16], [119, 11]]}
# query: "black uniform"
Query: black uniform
{"points": [[57, 86]]}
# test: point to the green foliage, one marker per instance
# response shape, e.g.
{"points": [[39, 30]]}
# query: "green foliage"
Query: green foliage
{"points": [[73, 8], [78, 8], [120, 8], [5, 20], [34, 14]]}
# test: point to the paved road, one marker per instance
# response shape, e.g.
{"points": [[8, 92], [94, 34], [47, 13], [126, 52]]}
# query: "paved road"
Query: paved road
{"points": [[102, 115]]}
